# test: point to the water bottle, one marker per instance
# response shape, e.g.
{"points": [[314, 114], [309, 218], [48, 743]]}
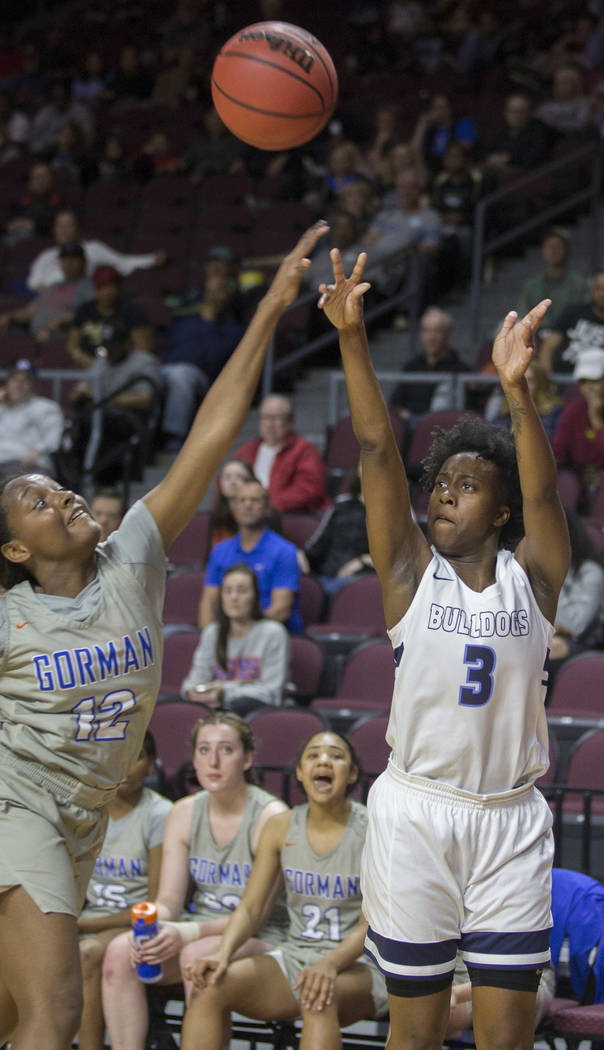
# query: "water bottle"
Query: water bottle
{"points": [[144, 927]]}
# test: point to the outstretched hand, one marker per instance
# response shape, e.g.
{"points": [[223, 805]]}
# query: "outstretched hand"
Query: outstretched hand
{"points": [[342, 301], [513, 346], [286, 282]]}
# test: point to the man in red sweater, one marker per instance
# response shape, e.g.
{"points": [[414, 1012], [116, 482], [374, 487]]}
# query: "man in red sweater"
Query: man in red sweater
{"points": [[289, 466]]}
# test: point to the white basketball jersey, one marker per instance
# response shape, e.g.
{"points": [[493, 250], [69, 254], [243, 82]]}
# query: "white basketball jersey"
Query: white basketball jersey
{"points": [[468, 704]]}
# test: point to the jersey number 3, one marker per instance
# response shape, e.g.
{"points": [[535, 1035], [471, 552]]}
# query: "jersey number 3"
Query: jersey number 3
{"points": [[480, 661]]}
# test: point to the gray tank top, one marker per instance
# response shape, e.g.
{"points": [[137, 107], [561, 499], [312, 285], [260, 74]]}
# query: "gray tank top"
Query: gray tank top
{"points": [[220, 873], [120, 876], [76, 695], [323, 892]]}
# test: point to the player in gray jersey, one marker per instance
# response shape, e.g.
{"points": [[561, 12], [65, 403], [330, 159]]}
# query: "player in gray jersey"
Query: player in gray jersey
{"points": [[126, 872], [459, 845], [318, 972], [211, 839], [81, 650]]}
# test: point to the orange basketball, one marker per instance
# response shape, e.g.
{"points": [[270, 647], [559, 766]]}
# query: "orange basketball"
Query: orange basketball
{"points": [[274, 85]]}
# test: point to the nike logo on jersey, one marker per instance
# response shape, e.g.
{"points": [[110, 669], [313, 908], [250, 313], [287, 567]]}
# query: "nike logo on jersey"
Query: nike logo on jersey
{"points": [[20, 626], [437, 577], [289, 843]]}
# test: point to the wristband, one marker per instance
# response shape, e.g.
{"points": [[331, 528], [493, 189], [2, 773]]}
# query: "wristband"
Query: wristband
{"points": [[189, 931]]}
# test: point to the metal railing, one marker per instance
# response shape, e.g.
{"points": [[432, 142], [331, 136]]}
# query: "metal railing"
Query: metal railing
{"points": [[409, 299], [483, 245], [458, 383]]}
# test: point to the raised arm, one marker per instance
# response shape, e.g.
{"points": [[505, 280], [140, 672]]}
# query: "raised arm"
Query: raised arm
{"points": [[544, 552], [398, 548], [224, 408]]}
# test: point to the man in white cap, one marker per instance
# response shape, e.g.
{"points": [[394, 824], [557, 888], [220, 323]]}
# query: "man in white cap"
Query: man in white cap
{"points": [[578, 440], [30, 426]]}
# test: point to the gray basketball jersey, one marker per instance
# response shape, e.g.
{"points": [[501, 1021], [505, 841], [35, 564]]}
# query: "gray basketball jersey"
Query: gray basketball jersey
{"points": [[468, 704], [220, 873], [323, 891], [76, 695], [120, 876]]}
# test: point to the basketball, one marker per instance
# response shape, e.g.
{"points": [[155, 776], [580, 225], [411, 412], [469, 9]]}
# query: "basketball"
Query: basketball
{"points": [[274, 85]]}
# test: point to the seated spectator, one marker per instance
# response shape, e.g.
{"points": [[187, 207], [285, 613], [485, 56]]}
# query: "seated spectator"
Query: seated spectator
{"points": [[126, 413], [35, 211], [578, 440], [50, 118], [188, 26], [53, 308], [230, 477], [568, 110], [242, 660], [397, 158], [71, 155], [14, 129], [31, 427], [385, 135], [196, 348], [413, 400], [578, 624], [126, 872], [272, 558], [181, 81], [215, 151], [524, 143], [557, 281], [90, 84], [131, 82], [343, 168], [544, 393], [113, 161], [404, 224], [436, 127], [45, 269], [156, 157], [345, 232], [455, 194], [578, 327], [108, 508], [96, 320], [286, 464], [339, 549]]}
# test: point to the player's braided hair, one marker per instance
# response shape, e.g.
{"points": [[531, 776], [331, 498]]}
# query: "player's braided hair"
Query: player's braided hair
{"points": [[10, 573], [491, 442]]}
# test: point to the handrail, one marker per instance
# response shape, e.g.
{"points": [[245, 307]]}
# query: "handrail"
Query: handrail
{"points": [[458, 381], [410, 298], [483, 246]]}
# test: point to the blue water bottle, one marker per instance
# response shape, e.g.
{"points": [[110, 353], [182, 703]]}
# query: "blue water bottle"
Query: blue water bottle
{"points": [[144, 927]]}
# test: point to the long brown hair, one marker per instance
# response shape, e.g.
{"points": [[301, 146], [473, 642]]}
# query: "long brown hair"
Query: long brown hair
{"points": [[224, 624]]}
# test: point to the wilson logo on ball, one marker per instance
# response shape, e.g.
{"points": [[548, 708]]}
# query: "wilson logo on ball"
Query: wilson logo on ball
{"points": [[301, 57]]}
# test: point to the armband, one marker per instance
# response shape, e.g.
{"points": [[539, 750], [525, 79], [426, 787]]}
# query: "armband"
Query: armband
{"points": [[189, 931]]}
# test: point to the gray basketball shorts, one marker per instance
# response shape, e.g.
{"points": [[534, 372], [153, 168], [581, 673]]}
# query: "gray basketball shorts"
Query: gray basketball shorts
{"points": [[48, 845]]}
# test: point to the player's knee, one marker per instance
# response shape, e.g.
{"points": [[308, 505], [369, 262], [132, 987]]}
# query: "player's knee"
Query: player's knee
{"points": [[117, 965], [91, 957]]}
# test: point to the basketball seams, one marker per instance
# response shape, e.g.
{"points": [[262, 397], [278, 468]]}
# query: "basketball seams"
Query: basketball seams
{"points": [[273, 65], [266, 112]]}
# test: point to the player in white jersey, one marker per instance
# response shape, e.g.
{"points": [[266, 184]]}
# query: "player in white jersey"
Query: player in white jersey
{"points": [[80, 671], [317, 972], [126, 872], [459, 846], [210, 842]]}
